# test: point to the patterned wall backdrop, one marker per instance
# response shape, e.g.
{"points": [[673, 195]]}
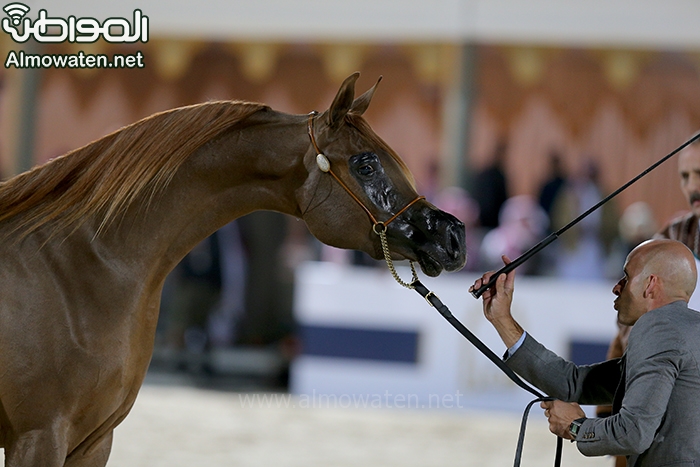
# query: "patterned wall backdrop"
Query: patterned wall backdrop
{"points": [[77, 106], [623, 109]]}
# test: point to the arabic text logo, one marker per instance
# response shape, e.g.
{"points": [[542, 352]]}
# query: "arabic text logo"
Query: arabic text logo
{"points": [[72, 29]]}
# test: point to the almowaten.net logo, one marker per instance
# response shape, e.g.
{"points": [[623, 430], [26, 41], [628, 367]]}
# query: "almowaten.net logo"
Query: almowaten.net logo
{"points": [[45, 29]]}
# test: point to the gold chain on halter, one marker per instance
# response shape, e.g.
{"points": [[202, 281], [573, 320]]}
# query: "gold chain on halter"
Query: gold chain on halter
{"points": [[390, 262]]}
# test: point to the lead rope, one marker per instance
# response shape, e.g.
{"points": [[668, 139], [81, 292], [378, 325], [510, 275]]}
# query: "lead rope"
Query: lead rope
{"points": [[436, 303]]}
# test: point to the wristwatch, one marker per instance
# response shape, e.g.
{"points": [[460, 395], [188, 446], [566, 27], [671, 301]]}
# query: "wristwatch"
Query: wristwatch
{"points": [[575, 427]]}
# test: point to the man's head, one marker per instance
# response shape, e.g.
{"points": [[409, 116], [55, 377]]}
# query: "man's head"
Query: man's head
{"points": [[657, 272], [689, 171]]}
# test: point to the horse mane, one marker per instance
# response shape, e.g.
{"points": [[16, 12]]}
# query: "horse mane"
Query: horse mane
{"points": [[110, 173], [363, 127]]}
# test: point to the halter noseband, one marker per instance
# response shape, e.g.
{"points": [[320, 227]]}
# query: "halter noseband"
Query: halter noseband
{"points": [[325, 166]]}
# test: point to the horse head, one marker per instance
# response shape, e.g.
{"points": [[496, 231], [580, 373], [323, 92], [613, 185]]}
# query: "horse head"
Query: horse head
{"points": [[359, 184]]}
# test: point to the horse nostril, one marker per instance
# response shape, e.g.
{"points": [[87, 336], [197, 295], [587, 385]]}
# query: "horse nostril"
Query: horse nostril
{"points": [[455, 233]]}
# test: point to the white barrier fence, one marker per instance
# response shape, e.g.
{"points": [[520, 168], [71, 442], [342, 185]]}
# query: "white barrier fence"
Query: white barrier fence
{"points": [[367, 336]]}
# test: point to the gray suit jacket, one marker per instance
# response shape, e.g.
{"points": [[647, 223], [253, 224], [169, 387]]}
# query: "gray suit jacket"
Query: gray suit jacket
{"points": [[659, 421]]}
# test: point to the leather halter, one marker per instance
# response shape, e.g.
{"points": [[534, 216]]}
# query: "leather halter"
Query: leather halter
{"points": [[325, 166]]}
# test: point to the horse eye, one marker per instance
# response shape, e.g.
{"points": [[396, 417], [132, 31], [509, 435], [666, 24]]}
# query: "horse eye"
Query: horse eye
{"points": [[365, 170]]}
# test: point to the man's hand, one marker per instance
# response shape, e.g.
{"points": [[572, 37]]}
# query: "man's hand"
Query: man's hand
{"points": [[560, 415], [497, 301]]}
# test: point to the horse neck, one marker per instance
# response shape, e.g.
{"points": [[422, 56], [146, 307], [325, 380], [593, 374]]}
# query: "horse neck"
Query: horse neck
{"points": [[254, 167]]}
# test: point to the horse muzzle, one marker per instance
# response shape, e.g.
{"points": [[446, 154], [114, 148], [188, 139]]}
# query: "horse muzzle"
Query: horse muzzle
{"points": [[434, 239]]}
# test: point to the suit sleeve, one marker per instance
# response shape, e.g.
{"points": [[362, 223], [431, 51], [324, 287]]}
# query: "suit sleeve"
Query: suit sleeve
{"points": [[653, 362], [562, 379]]}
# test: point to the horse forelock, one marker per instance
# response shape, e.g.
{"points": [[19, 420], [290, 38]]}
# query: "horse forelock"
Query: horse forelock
{"points": [[107, 175], [359, 123]]}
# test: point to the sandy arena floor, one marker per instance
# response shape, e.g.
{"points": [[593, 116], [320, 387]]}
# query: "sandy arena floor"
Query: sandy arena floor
{"points": [[183, 426], [178, 426]]}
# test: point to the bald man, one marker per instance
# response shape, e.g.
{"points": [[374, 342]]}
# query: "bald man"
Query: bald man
{"points": [[654, 388]]}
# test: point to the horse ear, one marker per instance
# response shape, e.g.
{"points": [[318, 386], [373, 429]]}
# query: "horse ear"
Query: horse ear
{"points": [[343, 101], [360, 104]]}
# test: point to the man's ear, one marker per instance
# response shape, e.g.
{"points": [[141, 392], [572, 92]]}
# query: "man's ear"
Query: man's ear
{"points": [[651, 288]]}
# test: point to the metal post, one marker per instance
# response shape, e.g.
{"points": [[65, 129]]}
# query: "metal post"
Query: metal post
{"points": [[30, 80], [457, 120]]}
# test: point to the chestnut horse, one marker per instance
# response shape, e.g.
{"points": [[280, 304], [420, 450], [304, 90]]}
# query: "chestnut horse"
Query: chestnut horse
{"points": [[87, 240]]}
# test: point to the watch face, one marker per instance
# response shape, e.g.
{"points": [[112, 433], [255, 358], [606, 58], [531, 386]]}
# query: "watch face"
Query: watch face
{"points": [[574, 428]]}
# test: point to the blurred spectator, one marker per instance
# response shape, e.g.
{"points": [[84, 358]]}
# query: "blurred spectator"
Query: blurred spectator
{"points": [[457, 202], [195, 286], [269, 286], [686, 228], [551, 188], [224, 318], [491, 188], [522, 224], [581, 251], [636, 225]]}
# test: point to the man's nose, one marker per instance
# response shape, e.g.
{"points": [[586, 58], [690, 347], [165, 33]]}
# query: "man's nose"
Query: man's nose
{"points": [[617, 288]]}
